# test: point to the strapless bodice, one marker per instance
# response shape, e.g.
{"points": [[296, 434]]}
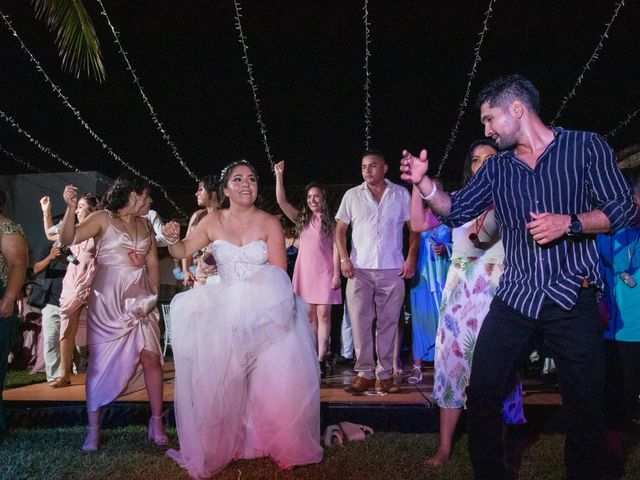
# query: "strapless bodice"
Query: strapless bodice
{"points": [[239, 261]]}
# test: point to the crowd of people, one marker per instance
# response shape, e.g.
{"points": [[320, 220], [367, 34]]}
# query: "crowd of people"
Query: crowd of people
{"points": [[540, 243]]}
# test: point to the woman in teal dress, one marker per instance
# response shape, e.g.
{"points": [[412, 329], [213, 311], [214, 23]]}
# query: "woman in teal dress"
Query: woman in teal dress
{"points": [[13, 268]]}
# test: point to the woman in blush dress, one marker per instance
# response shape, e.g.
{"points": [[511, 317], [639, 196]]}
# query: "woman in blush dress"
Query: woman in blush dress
{"points": [[76, 286], [476, 266], [316, 276], [246, 369], [123, 334]]}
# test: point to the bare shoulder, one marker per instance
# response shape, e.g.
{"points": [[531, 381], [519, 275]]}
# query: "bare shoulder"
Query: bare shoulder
{"points": [[269, 221]]}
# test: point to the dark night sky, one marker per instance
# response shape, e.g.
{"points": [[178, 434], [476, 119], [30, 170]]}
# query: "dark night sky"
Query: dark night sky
{"points": [[308, 59]]}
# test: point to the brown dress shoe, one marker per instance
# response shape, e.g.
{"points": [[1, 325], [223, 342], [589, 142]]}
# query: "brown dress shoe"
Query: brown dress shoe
{"points": [[387, 386], [361, 385]]}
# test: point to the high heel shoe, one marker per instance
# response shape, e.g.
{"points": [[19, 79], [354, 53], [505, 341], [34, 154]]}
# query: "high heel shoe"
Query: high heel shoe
{"points": [[92, 441], [156, 431]]}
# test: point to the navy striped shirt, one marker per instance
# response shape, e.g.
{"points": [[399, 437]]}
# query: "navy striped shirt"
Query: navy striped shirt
{"points": [[576, 173]]}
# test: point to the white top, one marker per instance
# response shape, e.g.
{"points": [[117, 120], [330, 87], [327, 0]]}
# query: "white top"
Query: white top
{"points": [[462, 246], [376, 236], [157, 224]]}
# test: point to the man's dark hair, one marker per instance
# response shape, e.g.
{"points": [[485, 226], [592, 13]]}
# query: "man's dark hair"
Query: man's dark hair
{"points": [[374, 152], [505, 90]]}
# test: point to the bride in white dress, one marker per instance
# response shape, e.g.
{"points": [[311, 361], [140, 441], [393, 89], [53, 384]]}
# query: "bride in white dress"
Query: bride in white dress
{"points": [[246, 368]]}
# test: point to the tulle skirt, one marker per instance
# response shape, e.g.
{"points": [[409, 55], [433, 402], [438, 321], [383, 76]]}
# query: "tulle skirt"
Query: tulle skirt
{"points": [[247, 376]]}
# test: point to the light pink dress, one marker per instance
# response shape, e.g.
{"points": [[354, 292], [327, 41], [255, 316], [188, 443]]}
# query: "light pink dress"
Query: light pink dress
{"points": [[247, 371], [122, 319], [76, 286], [314, 267]]}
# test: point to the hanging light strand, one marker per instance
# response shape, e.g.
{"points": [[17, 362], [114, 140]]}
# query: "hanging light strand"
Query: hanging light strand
{"points": [[254, 88], [367, 77], [19, 160], [465, 101], [145, 99], [27, 164], [44, 149], [594, 57], [623, 123], [58, 91]]}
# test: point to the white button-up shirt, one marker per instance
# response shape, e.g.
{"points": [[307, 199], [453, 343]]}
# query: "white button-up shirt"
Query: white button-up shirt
{"points": [[376, 235]]}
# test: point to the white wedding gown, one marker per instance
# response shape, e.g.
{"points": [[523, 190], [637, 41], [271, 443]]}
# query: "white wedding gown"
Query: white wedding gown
{"points": [[247, 376]]}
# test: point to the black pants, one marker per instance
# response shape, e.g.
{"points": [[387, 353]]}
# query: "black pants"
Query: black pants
{"points": [[575, 340]]}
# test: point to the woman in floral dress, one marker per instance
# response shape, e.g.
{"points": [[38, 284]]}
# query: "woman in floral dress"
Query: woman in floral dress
{"points": [[476, 266]]}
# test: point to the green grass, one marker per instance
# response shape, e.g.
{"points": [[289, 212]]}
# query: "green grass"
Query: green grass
{"points": [[54, 453], [20, 378]]}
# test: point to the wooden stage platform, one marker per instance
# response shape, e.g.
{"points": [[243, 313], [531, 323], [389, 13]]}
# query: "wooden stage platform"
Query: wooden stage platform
{"points": [[410, 410]]}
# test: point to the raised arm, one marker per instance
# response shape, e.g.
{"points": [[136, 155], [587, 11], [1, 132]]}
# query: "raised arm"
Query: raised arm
{"points": [[47, 220], [91, 227], [281, 197]]}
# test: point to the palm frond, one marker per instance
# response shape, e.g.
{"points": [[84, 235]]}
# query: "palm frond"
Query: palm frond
{"points": [[76, 37]]}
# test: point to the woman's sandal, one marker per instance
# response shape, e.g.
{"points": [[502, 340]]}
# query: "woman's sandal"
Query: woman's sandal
{"points": [[416, 375], [59, 382]]}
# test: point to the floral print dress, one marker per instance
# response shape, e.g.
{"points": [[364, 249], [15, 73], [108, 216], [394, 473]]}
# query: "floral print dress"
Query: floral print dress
{"points": [[471, 283]]}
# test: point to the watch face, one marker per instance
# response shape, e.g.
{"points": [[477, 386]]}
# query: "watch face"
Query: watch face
{"points": [[576, 226]]}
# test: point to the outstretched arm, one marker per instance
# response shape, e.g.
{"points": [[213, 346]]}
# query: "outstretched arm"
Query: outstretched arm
{"points": [[197, 238], [281, 197], [414, 169], [421, 218]]}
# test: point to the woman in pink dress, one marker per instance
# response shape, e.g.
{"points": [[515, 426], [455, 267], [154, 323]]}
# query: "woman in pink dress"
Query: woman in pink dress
{"points": [[246, 381], [123, 334], [75, 293], [316, 276]]}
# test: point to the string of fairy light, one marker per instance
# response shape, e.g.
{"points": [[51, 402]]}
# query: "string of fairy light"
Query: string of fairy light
{"points": [[63, 181], [624, 123], [587, 66], [467, 94], [252, 82], [58, 91], [44, 149], [257, 103], [367, 76], [152, 112]]}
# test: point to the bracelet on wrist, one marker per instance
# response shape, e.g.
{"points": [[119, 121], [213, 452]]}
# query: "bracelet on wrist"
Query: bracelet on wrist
{"points": [[432, 194], [344, 259], [170, 244]]}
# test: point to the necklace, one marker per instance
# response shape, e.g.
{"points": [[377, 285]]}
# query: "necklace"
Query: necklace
{"points": [[243, 225]]}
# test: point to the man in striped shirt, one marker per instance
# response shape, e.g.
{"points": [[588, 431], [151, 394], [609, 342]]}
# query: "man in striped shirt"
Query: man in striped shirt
{"points": [[553, 190]]}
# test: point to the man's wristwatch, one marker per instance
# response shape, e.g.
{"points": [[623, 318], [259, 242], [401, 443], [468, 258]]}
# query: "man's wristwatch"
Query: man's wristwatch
{"points": [[575, 227]]}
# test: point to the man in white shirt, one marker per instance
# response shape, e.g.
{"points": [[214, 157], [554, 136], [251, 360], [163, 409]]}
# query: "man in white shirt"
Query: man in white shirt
{"points": [[376, 210]]}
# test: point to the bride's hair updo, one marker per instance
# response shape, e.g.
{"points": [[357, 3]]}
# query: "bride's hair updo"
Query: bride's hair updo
{"points": [[117, 196], [225, 175]]}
